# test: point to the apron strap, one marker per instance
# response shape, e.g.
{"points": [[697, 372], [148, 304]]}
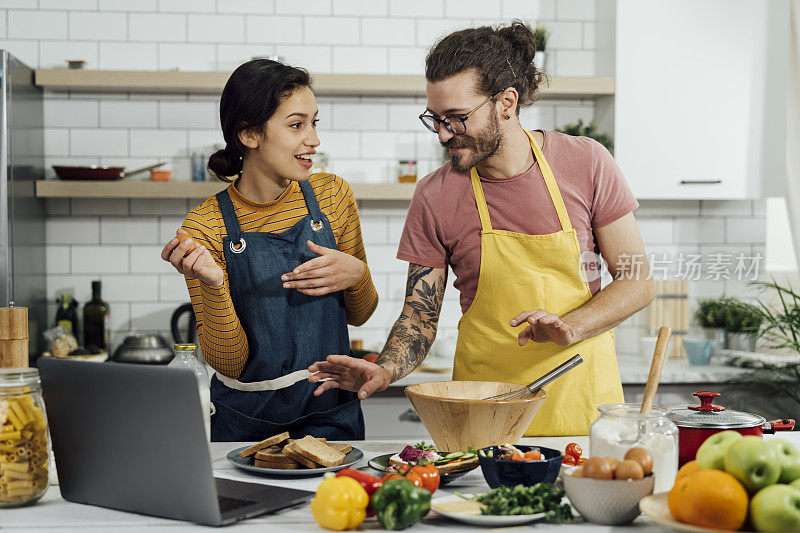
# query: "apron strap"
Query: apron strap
{"points": [[229, 216], [552, 186], [271, 384], [311, 202], [480, 199]]}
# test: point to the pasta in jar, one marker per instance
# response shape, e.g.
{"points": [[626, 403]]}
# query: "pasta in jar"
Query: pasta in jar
{"points": [[24, 445]]}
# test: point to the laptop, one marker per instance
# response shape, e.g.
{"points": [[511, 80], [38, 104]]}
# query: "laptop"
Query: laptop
{"points": [[132, 437]]}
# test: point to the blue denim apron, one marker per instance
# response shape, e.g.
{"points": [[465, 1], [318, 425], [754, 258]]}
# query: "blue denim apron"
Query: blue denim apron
{"points": [[287, 331]]}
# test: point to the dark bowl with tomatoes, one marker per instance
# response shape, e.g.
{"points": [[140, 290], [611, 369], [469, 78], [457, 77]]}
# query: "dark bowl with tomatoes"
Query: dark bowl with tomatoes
{"points": [[508, 472]]}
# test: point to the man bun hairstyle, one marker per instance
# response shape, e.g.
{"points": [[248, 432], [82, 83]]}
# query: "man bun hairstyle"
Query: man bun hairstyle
{"points": [[501, 55], [250, 97]]}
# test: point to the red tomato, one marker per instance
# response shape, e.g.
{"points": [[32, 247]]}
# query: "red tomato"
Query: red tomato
{"points": [[406, 473], [574, 450], [568, 460], [581, 460], [429, 475], [533, 455]]}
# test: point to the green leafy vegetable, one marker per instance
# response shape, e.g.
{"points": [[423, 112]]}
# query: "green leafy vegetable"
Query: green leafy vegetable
{"points": [[521, 499]]}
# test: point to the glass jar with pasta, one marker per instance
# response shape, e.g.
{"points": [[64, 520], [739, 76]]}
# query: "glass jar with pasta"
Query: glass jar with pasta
{"points": [[24, 442]]}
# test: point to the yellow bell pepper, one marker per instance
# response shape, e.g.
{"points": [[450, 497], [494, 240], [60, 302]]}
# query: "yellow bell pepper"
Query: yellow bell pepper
{"points": [[340, 503]]}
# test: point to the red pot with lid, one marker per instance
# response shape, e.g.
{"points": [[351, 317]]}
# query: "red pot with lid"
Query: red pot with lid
{"points": [[698, 422]]}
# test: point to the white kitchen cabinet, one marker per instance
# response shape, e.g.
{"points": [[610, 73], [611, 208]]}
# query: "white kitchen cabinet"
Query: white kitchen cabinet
{"points": [[700, 96]]}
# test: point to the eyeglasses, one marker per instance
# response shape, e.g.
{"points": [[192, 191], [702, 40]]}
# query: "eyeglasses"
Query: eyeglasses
{"points": [[455, 124]]}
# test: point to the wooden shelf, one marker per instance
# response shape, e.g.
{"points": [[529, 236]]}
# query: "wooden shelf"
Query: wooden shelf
{"points": [[188, 189], [324, 84]]}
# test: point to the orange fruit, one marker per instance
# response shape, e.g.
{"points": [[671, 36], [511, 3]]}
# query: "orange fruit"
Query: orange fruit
{"points": [[709, 498], [689, 468], [674, 496]]}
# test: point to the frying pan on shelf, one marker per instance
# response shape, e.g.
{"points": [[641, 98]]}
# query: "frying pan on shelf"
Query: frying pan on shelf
{"points": [[96, 172]]}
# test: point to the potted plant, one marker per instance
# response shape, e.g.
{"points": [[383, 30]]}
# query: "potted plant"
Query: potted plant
{"points": [[540, 36], [742, 323], [581, 130], [710, 316], [774, 388]]}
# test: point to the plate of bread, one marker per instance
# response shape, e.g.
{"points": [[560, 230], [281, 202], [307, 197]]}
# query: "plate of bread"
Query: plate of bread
{"points": [[281, 455]]}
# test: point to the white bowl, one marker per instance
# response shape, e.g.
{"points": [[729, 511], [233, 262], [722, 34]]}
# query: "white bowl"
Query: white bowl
{"points": [[610, 502]]}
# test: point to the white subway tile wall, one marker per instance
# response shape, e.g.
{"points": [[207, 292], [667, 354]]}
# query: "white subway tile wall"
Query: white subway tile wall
{"points": [[119, 241]]}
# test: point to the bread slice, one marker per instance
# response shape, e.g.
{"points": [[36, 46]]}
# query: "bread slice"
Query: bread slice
{"points": [[323, 440], [291, 452], [458, 466], [316, 451], [278, 457], [266, 443], [341, 446], [278, 466]]}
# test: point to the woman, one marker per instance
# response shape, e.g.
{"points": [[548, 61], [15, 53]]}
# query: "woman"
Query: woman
{"points": [[274, 264]]}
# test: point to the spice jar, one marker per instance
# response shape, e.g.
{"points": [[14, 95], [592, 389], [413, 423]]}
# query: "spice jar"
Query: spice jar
{"points": [[24, 442], [407, 172], [621, 427]]}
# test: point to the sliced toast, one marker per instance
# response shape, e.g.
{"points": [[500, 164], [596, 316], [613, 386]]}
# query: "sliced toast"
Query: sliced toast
{"points": [[278, 466], [291, 452], [341, 446], [318, 452], [276, 457], [275, 440]]}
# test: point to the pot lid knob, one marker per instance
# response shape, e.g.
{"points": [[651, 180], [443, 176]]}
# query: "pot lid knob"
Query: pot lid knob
{"points": [[706, 401]]}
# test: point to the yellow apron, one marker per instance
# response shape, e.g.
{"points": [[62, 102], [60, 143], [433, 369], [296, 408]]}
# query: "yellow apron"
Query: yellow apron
{"points": [[525, 272]]}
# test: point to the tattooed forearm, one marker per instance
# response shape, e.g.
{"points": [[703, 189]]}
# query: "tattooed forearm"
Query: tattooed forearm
{"points": [[415, 330]]}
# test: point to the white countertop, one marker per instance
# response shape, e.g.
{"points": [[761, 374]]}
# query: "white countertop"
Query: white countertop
{"points": [[632, 371], [52, 513]]}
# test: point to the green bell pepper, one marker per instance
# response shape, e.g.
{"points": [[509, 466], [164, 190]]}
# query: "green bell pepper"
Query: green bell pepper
{"points": [[399, 504]]}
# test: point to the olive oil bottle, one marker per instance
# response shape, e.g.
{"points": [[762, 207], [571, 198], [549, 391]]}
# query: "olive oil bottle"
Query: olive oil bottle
{"points": [[96, 318]]}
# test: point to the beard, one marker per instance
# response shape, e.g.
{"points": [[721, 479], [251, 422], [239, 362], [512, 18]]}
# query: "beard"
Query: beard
{"points": [[482, 146]]}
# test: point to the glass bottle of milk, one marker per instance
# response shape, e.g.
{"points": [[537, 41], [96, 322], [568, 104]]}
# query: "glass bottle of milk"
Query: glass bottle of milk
{"points": [[186, 357]]}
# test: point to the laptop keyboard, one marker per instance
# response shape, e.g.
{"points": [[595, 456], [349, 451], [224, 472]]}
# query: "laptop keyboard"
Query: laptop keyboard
{"points": [[227, 504]]}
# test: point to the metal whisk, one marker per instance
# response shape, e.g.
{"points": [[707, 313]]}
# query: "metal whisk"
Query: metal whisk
{"points": [[534, 387]]}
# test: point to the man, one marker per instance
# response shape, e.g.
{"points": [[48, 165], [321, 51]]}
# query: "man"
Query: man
{"points": [[515, 214]]}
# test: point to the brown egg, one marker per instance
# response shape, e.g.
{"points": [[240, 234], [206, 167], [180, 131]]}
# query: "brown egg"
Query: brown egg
{"points": [[598, 468], [628, 469], [643, 457], [182, 236], [613, 461]]}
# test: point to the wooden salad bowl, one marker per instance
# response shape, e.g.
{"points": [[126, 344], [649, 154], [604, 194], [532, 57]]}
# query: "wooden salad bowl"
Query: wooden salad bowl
{"points": [[457, 417]]}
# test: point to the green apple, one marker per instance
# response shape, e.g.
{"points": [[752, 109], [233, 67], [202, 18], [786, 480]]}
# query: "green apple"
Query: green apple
{"points": [[776, 508], [711, 453], [752, 462], [795, 484], [788, 459]]}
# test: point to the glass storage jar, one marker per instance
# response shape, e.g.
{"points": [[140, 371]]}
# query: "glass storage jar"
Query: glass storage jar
{"points": [[186, 357], [621, 426], [24, 440]]}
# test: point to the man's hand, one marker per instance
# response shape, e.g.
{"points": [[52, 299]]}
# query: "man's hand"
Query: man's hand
{"points": [[330, 272], [349, 373], [543, 327]]}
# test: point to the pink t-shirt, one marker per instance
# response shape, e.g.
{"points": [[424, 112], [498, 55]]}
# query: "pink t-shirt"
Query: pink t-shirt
{"points": [[443, 227]]}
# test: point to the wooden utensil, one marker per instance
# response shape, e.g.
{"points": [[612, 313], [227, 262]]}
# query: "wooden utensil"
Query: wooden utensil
{"points": [[659, 355], [13, 337]]}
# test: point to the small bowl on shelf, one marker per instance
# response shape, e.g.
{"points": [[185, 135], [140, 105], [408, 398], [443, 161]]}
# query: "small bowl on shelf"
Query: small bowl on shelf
{"points": [[510, 473], [607, 501]]}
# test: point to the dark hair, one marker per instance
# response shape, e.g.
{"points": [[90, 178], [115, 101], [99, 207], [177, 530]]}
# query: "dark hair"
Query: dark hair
{"points": [[502, 56], [250, 97]]}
